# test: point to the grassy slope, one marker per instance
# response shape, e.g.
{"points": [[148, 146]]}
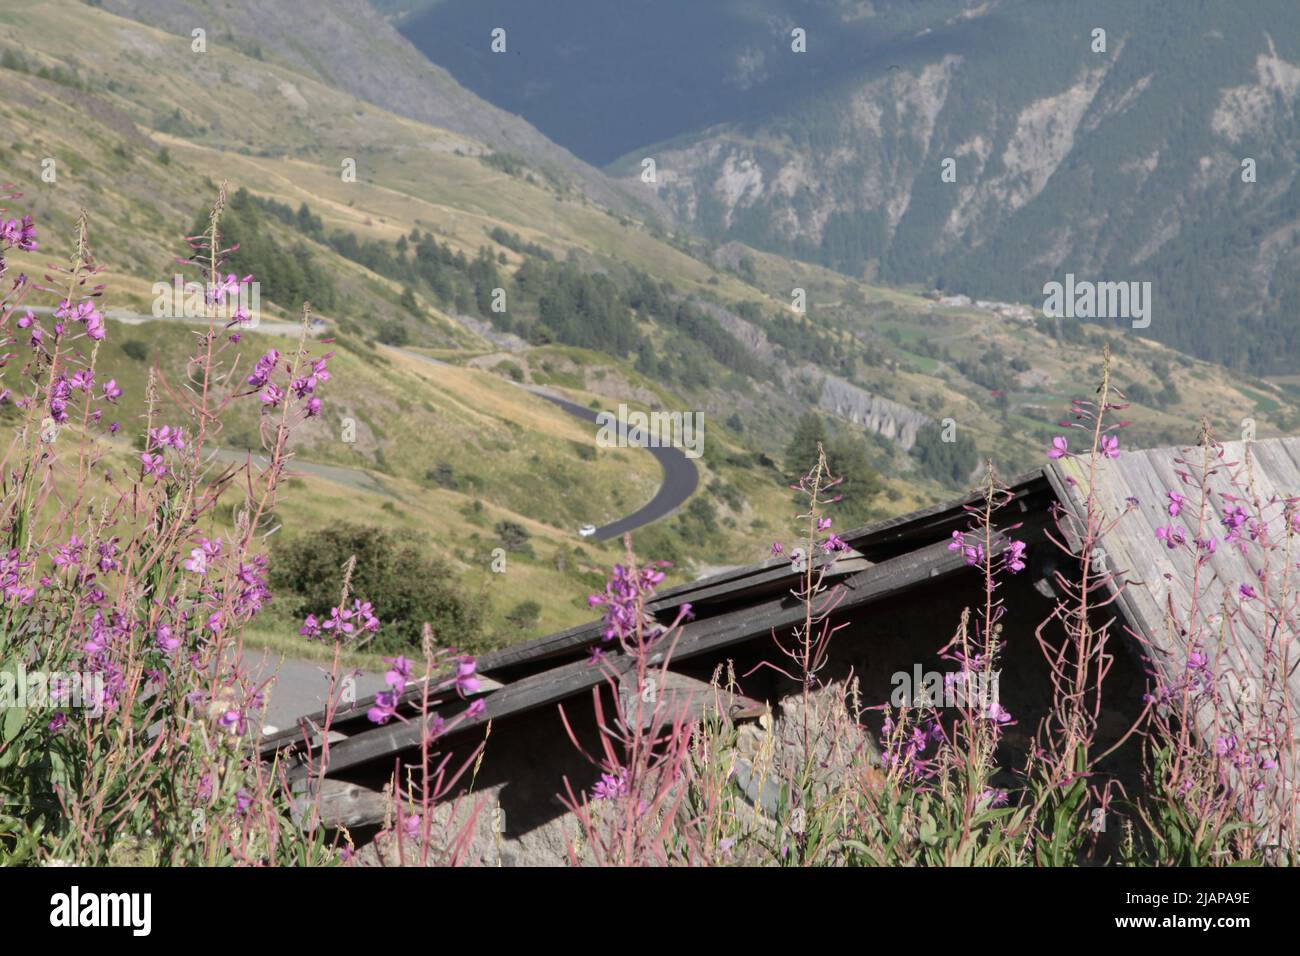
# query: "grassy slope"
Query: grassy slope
{"points": [[518, 454], [514, 452]]}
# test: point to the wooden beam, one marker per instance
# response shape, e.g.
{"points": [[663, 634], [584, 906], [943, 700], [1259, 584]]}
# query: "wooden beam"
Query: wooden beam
{"points": [[341, 804], [697, 637], [675, 696]]}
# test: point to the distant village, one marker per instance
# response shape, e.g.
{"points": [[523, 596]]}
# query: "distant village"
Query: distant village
{"points": [[1008, 310]]}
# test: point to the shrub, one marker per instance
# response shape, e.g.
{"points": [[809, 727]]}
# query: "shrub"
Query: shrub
{"points": [[392, 572], [510, 368], [525, 615], [514, 537], [443, 475]]}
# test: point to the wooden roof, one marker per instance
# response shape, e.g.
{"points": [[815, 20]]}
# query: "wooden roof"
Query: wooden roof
{"points": [[1166, 607], [899, 553], [887, 557], [1153, 578]]}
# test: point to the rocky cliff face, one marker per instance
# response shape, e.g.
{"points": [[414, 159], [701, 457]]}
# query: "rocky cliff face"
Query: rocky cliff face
{"points": [[872, 412], [836, 395], [1001, 151]]}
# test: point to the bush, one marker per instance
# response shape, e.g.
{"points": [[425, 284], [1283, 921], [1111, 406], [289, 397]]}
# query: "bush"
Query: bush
{"points": [[513, 537], [407, 587], [135, 349], [510, 368], [392, 332], [525, 615], [444, 476]]}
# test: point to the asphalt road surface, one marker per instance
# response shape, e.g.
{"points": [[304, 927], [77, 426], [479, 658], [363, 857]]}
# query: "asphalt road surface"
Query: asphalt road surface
{"points": [[681, 477]]}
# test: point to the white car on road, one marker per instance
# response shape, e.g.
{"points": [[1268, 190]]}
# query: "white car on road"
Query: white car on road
{"points": [[587, 530]]}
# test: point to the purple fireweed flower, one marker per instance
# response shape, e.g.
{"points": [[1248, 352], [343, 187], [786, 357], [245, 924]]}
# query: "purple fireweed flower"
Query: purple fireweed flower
{"points": [[164, 639], [107, 555], [903, 752], [974, 554], [1171, 535], [622, 599], [233, 722], [263, 368], [1233, 519], [340, 622], [168, 437], [398, 674], [365, 615], [201, 556], [252, 598], [313, 407], [993, 798], [777, 548], [19, 233], [310, 628], [1110, 446], [823, 524], [70, 553], [272, 395], [1060, 447], [477, 709], [221, 286], [385, 707], [197, 562], [834, 543], [1246, 591], [1225, 745], [1176, 502], [466, 682], [997, 713], [610, 786], [1016, 556], [111, 392]]}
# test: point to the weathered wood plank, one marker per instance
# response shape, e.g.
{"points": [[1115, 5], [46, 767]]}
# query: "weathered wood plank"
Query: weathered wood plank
{"points": [[340, 804], [697, 637], [1234, 630]]}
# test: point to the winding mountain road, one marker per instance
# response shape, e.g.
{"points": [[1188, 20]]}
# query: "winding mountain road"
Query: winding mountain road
{"points": [[680, 476]]}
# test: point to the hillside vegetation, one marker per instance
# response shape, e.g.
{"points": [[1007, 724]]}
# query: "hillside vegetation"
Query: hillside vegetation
{"points": [[403, 265]]}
